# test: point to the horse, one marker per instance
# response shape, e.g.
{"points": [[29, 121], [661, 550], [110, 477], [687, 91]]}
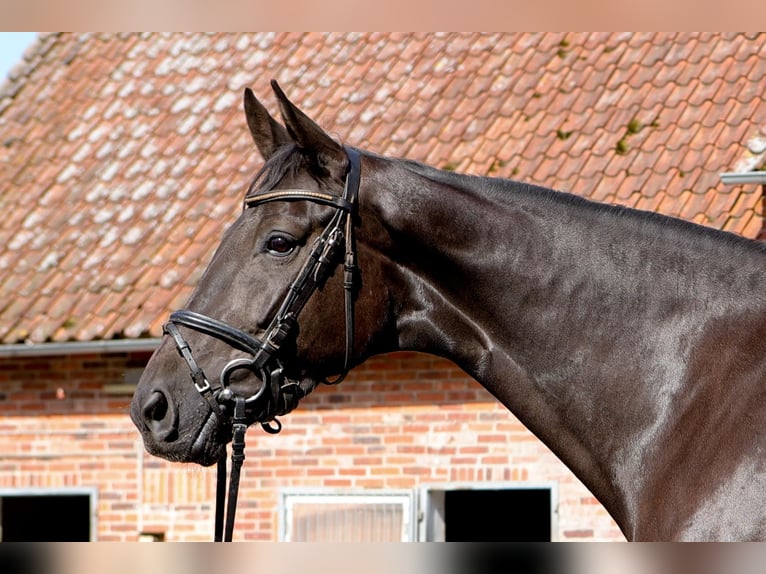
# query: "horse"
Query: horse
{"points": [[632, 344]]}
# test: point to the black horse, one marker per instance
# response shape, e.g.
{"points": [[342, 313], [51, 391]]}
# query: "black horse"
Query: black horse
{"points": [[632, 344]]}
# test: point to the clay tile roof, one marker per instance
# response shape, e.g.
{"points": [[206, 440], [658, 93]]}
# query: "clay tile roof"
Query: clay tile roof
{"points": [[124, 156]]}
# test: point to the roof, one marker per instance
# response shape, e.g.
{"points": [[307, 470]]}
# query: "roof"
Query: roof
{"points": [[123, 157]]}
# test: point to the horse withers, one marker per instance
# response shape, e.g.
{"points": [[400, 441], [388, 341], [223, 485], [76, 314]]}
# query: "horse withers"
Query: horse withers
{"points": [[632, 344]]}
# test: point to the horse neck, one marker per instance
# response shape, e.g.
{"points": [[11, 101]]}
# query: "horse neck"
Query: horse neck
{"points": [[572, 315]]}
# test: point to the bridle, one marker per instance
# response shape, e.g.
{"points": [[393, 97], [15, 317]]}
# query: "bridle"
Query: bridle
{"points": [[265, 361]]}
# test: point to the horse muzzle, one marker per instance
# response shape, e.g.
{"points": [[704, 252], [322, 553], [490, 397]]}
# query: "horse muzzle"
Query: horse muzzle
{"points": [[270, 397]]}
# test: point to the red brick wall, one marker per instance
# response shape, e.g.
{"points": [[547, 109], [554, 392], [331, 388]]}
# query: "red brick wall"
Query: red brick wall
{"points": [[399, 421]]}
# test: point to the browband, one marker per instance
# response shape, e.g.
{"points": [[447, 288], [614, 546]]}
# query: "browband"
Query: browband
{"points": [[299, 194]]}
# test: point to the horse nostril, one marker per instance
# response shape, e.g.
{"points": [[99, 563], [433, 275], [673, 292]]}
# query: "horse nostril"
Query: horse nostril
{"points": [[158, 417], [156, 407]]}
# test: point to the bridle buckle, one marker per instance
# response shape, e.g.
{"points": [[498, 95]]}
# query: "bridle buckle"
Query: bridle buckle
{"points": [[204, 387]]}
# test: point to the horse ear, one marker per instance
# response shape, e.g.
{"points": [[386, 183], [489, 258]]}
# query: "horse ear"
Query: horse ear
{"points": [[268, 134], [309, 136]]}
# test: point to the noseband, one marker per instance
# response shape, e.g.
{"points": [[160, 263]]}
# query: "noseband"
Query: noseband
{"points": [[266, 360]]}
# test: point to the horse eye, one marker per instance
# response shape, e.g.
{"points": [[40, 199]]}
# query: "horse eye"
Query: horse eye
{"points": [[280, 245]]}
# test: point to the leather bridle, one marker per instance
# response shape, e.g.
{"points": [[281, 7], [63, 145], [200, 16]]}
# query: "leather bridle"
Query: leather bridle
{"points": [[266, 361]]}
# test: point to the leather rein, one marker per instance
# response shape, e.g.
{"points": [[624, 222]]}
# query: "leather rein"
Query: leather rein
{"points": [[265, 361]]}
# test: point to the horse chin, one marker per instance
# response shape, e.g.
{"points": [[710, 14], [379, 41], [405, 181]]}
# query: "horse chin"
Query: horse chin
{"points": [[302, 384], [293, 391], [210, 442]]}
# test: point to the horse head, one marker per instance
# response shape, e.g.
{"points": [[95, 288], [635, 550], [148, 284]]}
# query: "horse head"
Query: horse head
{"points": [[273, 314]]}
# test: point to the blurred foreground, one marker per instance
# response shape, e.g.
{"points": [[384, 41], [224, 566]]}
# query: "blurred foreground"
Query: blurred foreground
{"points": [[433, 558]]}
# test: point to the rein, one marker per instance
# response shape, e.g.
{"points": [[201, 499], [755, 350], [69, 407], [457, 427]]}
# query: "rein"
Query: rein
{"points": [[265, 361]]}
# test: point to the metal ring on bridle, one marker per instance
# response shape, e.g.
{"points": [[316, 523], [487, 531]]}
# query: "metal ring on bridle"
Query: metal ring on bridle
{"points": [[232, 366]]}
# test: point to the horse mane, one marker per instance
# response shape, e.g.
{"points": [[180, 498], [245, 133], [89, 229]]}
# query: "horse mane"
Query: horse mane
{"points": [[500, 188]]}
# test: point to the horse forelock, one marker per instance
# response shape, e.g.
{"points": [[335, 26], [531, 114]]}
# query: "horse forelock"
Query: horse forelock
{"points": [[286, 161]]}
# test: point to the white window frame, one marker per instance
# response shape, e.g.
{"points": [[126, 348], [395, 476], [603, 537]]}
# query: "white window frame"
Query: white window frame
{"points": [[290, 497]]}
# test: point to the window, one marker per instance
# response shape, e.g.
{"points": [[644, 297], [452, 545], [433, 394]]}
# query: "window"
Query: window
{"points": [[332, 516], [47, 515], [487, 512]]}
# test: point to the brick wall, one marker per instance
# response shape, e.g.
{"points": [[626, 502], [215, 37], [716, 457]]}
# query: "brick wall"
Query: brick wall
{"points": [[398, 422]]}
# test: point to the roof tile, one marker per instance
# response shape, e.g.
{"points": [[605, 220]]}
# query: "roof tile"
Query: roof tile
{"points": [[120, 191]]}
